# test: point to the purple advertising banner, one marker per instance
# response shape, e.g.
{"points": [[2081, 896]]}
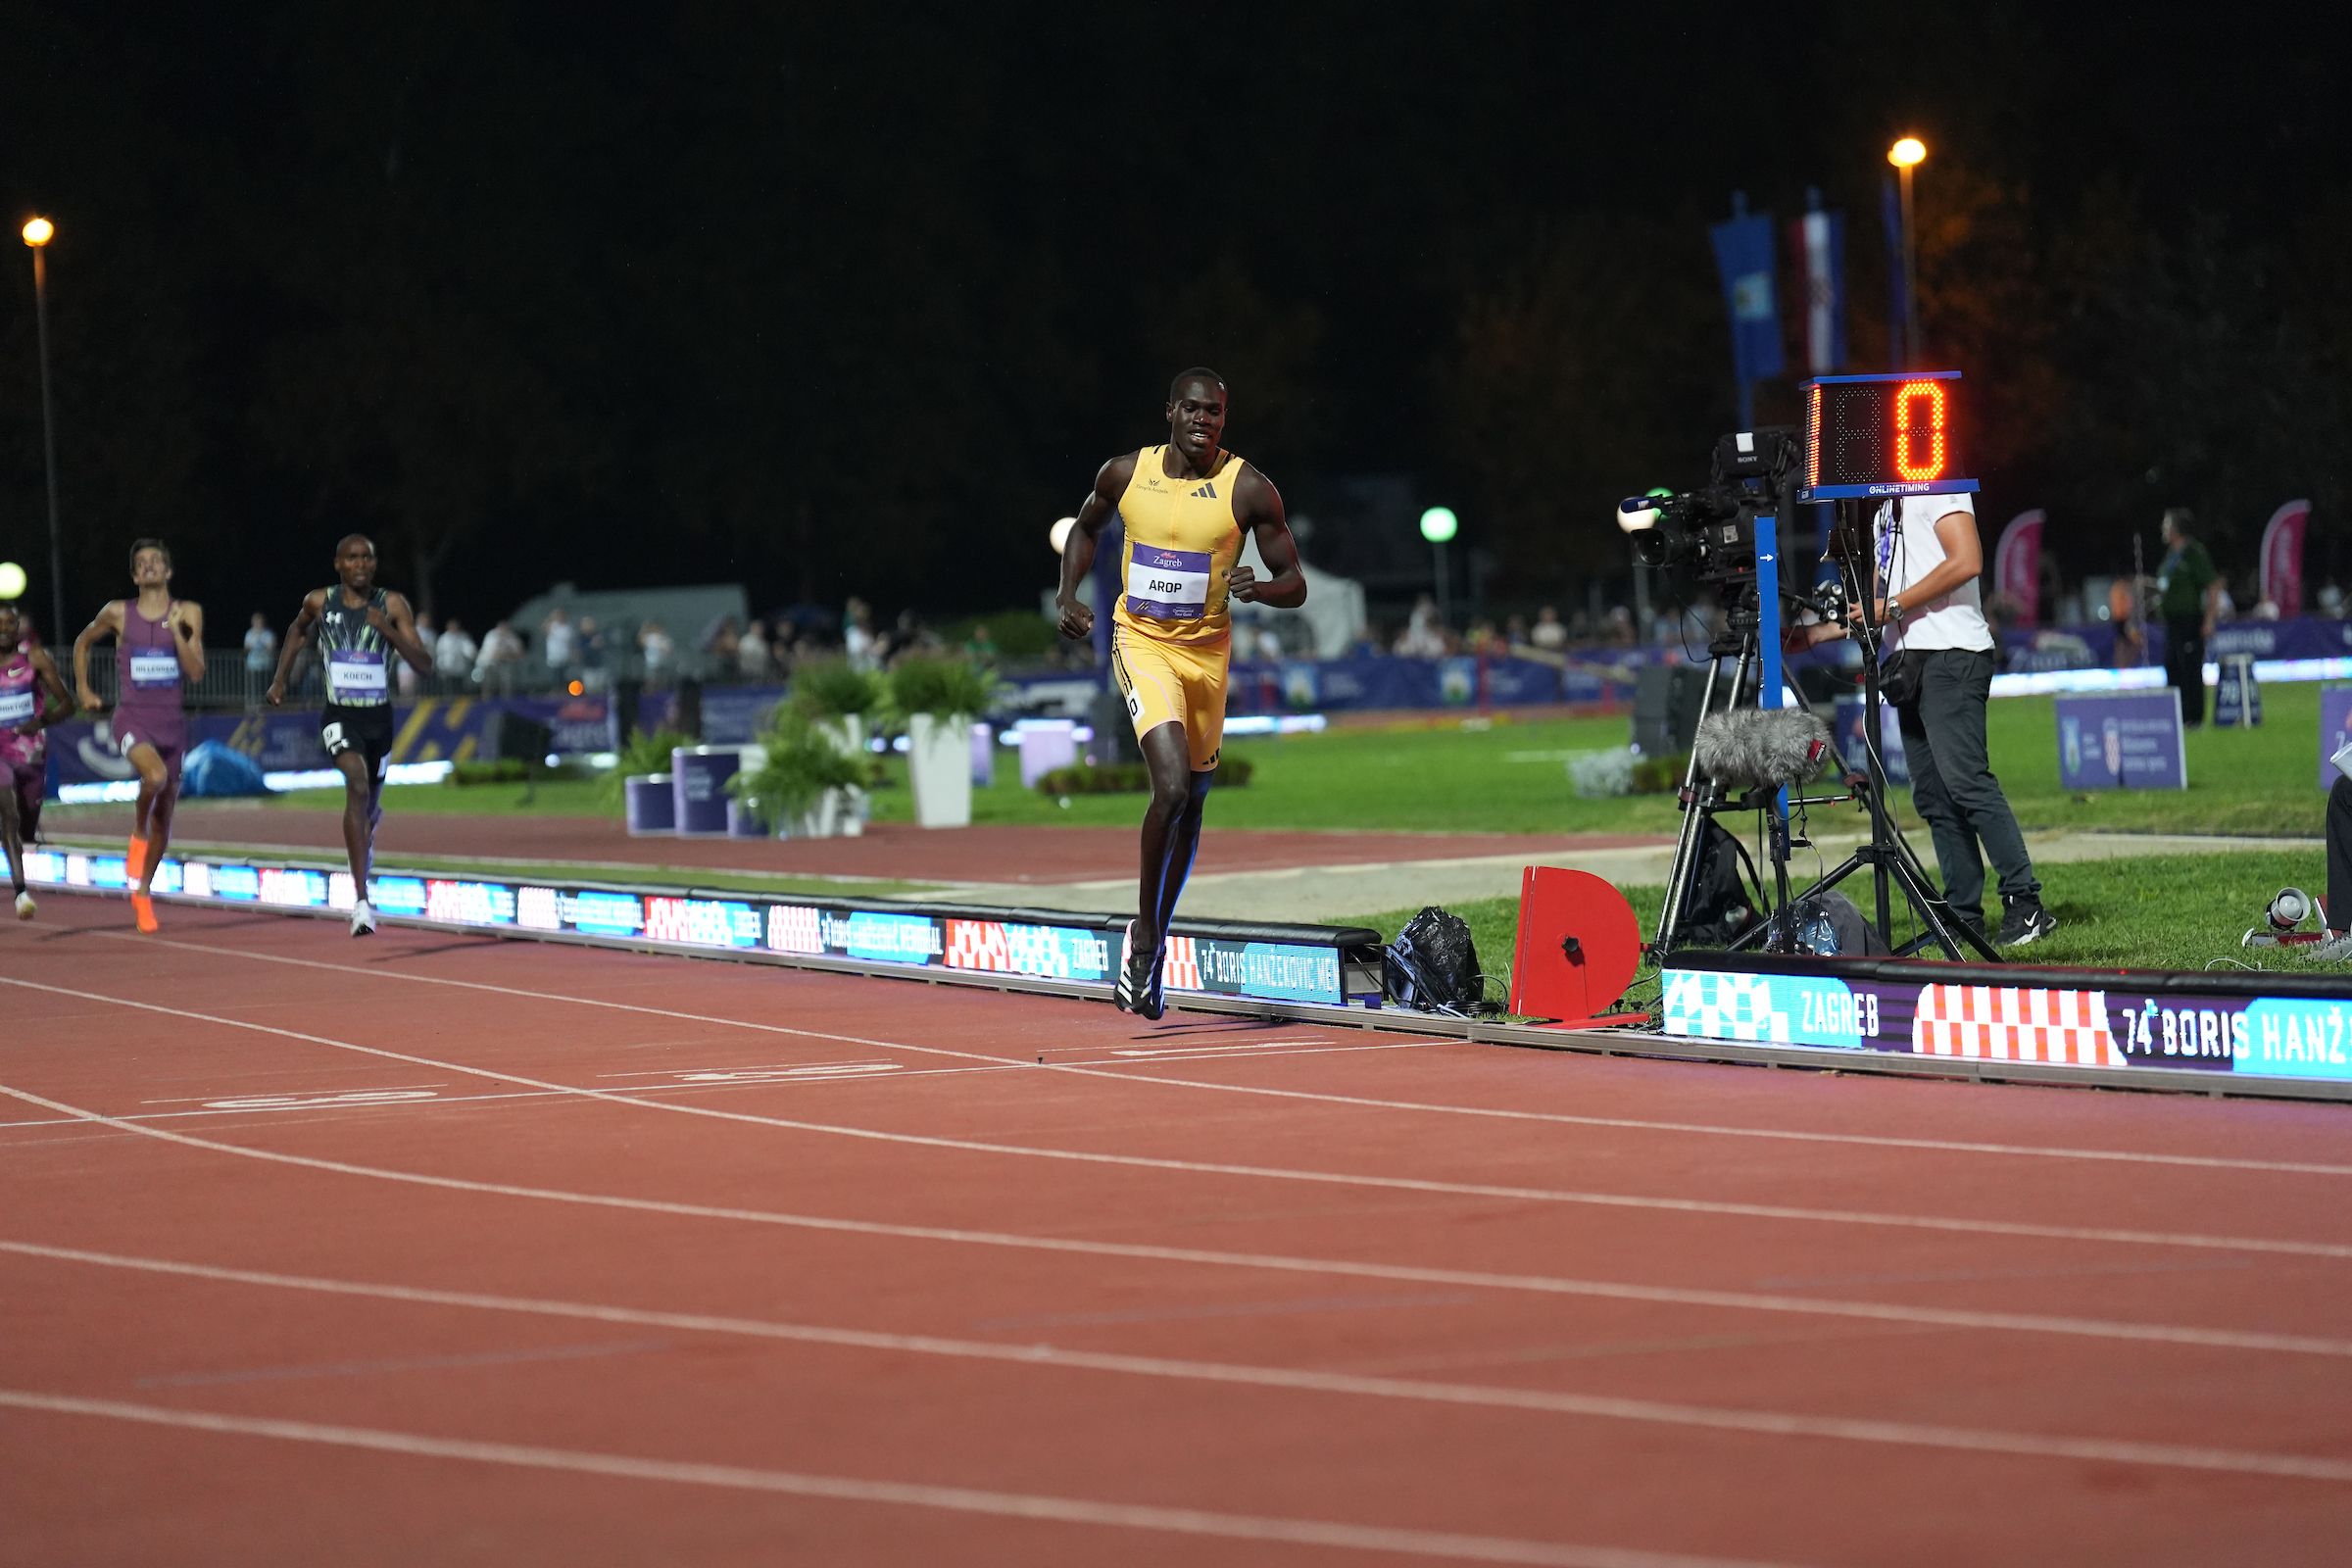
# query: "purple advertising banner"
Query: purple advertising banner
{"points": [[2128, 740], [2336, 730]]}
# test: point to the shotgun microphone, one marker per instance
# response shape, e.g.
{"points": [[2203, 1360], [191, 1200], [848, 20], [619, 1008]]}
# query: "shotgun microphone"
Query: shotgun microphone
{"points": [[1761, 748]]}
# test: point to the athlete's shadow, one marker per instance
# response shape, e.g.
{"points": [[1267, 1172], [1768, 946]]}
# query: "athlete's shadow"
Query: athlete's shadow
{"points": [[474, 945], [1208, 1028]]}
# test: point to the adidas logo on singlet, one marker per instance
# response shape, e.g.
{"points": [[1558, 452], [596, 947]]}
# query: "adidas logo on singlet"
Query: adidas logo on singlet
{"points": [[1208, 490]]}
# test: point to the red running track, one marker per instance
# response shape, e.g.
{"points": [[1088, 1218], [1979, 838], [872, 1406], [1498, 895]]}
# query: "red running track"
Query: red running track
{"points": [[454, 1250]]}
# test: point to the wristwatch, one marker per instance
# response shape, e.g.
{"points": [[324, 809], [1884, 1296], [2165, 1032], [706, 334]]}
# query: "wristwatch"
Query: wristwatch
{"points": [[1894, 610]]}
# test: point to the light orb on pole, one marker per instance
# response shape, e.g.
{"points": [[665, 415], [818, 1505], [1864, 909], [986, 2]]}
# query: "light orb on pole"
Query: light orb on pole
{"points": [[1439, 525], [1059, 534], [38, 233], [12, 580]]}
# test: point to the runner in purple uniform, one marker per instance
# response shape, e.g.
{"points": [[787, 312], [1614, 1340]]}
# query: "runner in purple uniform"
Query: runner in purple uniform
{"points": [[159, 648], [25, 674]]}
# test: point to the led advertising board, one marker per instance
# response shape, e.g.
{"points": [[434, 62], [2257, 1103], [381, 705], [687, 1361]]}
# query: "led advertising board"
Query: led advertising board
{"points": [[2130, 1023], [905, 937]]}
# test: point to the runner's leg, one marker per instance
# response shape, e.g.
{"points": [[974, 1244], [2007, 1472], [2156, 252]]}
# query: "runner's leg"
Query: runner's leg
{"points": [[375, 800], [1184, 846], [159, 817], [12, 827], [146, 850], [352, 764], [1169, 760]]}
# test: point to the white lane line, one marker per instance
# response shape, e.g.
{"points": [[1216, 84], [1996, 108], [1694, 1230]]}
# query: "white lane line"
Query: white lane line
{"points": [[1555, 1118], [901, 1075], [1241, 1050], [1539, 1284], [777, 1067], [1725, 1419], [898, 1494], [2018, 1228], [350, 1099], [304, 1094]]}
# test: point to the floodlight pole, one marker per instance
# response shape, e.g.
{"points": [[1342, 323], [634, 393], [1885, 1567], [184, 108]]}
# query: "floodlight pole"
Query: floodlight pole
{"points": [[57, 553], [1910, 276]]}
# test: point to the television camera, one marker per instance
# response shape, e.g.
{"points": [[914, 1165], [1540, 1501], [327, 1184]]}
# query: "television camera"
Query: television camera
{"points": [[1710, 532]]}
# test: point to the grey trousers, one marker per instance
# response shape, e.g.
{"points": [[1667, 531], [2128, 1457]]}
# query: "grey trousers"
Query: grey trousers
{"points": [[1952, 783]]}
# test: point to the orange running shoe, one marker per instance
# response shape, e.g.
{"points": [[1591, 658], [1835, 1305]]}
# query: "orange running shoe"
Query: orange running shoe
{"points": [[143, 908]]}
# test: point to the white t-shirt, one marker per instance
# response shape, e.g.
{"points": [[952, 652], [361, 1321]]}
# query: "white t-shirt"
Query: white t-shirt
{"points": [[1908, 551]]}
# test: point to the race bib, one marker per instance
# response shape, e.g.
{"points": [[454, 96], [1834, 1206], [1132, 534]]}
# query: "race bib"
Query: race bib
{"points": [[152, 670], [354, 674], [1167, 584], [16, 708]]}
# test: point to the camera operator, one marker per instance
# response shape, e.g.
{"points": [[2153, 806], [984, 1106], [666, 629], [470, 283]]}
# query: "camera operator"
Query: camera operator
{"points": [[1937, 664], [2335, 937]]}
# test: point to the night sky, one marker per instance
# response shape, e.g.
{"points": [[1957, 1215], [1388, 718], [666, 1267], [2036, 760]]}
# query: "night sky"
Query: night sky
{"points": [[853, 300]]}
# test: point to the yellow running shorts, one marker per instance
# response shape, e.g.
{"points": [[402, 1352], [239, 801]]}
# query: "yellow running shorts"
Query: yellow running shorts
{"points": [[1174, 683]]}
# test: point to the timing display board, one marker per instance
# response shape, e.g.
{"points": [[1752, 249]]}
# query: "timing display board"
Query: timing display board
{"points": [[908, 937], [1884, 435]]}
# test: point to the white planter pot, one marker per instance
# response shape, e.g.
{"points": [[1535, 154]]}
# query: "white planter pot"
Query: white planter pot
{"points": [[838, 813], [939, 765], [848, 732]]}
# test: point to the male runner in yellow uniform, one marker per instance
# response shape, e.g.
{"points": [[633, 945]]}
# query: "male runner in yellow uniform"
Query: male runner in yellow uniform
{"points": [[1185, 507]]}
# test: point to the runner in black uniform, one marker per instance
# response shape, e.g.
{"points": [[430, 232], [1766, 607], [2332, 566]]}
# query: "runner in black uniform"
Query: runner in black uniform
{"points": [[358, 627]]}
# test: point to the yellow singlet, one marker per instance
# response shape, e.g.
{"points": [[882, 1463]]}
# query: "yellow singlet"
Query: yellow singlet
{"points": [[1171, 636], [1181, 541]]}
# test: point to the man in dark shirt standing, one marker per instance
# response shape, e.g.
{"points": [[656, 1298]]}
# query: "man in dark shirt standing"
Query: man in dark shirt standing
{"points": [[2184, 590]]}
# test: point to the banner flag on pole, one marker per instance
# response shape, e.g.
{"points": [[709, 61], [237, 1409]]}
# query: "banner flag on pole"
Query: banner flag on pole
{"points": [[2017, 566], [1819, 241], [2282, 558], [1744, 257]]}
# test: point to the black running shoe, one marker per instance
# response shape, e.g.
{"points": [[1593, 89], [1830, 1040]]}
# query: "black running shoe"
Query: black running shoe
{"points": [[2024, 921], [1138, 989]]}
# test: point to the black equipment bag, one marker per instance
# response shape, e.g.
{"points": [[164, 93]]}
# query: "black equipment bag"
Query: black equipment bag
{"points": [[1716, 910], [1432, 966], [1829, 925]]}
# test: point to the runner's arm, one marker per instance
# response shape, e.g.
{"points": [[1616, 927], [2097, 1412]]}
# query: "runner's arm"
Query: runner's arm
{"points": [[187, 625], [399, 628], [1258, 507], [1078, 551], [297, 635], [61, 701], [108, 623]]}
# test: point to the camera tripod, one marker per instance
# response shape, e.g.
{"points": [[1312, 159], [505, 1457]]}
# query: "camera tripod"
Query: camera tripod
{"points": [[1704, 797]]}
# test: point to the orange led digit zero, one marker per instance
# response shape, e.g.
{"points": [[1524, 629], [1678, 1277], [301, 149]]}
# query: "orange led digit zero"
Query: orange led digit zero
{"points": [[1912, 432]]}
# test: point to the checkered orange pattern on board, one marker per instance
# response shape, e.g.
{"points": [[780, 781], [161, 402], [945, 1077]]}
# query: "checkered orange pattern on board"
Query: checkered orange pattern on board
{"points": [[2013, 1023]]}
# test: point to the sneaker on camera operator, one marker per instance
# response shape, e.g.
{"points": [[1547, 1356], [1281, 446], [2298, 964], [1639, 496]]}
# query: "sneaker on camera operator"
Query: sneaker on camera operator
{"points": [[1936, 668]]}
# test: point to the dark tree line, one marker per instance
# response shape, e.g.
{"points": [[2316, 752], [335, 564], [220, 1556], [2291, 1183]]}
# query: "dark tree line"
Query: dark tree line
{"points": [[851, 300]]}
